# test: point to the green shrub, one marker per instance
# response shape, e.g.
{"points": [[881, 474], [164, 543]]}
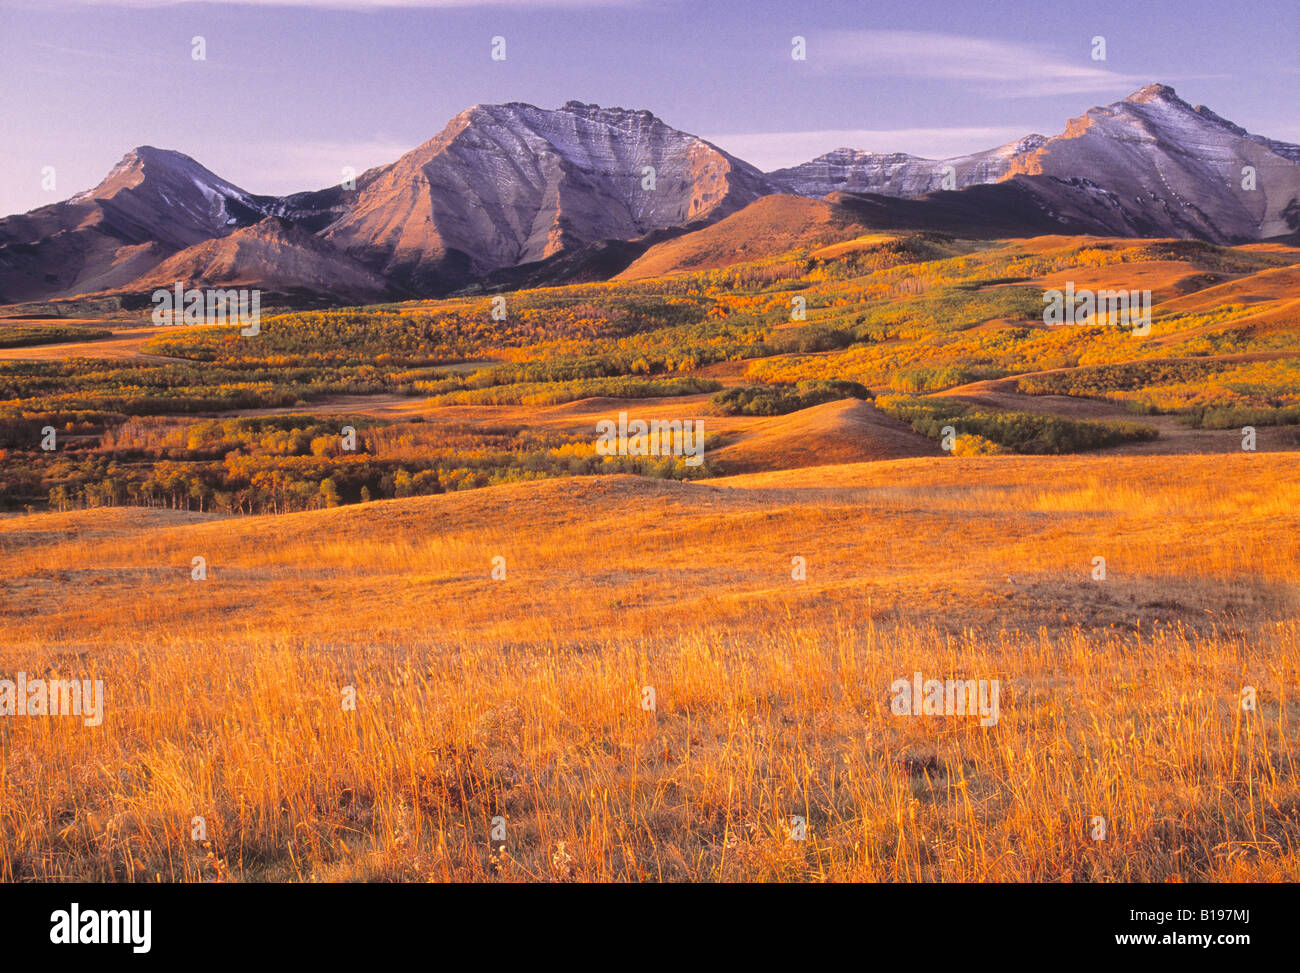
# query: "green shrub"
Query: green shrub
{"points": [[27, 336], [776, 400], [554, 393], [1020, 432]]}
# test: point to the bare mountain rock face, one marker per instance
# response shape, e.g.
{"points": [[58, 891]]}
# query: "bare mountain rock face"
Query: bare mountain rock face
{"points": [[171, 199], [897, 173], [504, 185], [150, 205], [1174, 170], [1150, 165], [513, 195]]}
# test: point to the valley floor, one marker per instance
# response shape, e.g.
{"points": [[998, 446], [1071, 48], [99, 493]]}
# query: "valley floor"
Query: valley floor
{"points": [[503, 726]]}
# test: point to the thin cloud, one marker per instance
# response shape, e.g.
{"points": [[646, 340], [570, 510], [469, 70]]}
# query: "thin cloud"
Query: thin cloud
{"points": [[998, 67], [367, 4], [280, 168], [1282, 133]]}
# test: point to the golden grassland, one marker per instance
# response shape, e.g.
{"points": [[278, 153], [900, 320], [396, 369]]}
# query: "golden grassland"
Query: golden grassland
{"points": [[522, 698]]}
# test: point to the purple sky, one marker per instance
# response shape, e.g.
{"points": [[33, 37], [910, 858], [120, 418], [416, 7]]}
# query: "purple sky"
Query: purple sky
{"points": [[293, 91]]}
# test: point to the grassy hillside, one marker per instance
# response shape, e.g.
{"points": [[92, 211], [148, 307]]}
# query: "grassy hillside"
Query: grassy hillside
{"points": [[521, 697], [1097, 540]]}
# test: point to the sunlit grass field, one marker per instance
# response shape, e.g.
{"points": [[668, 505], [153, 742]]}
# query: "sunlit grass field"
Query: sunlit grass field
{"points": [[516, 705]]}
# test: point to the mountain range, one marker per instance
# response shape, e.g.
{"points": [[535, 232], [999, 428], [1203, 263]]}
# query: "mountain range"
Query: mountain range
{"points": [[513, 195]]}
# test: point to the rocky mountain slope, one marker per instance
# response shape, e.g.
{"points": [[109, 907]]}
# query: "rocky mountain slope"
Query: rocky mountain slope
{"points": [[513, 194], [1175, 170], [152, 204], [1150, 165], [897, 173], [504, 185]]}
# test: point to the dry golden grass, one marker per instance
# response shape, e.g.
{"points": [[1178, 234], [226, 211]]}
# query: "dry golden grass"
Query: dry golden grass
{"points": [[522, 698]]}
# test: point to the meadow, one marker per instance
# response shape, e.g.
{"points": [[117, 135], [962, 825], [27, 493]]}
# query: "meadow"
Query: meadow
{"points": [[886, 317], [521, 698], [368, 604]]}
